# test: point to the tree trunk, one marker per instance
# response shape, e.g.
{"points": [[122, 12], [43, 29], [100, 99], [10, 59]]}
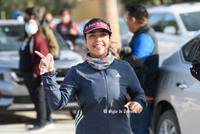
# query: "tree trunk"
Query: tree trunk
{"points": [[108, 11]]}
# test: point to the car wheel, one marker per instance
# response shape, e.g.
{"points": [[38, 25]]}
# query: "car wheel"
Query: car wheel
{"points": [[168, 123], [73, 113]]}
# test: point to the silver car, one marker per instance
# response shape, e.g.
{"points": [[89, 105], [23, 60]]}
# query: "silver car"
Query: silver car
{"points": [[177, 103], [174, 23], [14, 95]]}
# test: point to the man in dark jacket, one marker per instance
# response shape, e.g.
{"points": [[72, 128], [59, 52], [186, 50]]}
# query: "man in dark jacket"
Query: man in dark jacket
{"points": [[143, 57]]}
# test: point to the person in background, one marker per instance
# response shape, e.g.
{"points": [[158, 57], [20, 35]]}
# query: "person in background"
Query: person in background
{"points": [[33, 12], [48, 18], [100, 83], [142, 55], [18, 15], [68, 29], [28, 66]]}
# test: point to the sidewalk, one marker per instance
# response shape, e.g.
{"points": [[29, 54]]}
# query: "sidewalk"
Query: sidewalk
{"points": [[15, 123]]}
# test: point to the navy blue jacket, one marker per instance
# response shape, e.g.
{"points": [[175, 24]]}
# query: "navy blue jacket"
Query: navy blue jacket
{"points": [[101, 96]]}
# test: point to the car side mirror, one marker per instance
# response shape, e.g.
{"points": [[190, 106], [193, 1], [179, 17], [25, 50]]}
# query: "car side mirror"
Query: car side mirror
{"points": [[170, 30]]}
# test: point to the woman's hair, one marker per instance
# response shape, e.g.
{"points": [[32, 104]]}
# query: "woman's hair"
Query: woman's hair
{"points": [[39, 32], [44, 15], [33, 11], [114, 53]]}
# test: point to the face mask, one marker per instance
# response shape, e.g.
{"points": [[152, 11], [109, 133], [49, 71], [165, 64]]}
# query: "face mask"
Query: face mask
{"points": [[31, 28]]}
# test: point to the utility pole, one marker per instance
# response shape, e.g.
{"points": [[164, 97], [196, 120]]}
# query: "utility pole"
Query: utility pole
{"points": [[108, 11]]}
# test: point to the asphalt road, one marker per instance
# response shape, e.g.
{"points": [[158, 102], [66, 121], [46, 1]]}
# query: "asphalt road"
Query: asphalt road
{"points": [[15, 123]]}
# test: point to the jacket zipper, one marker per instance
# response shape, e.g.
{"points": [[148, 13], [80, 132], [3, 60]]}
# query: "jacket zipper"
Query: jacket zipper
{"points": [[106, 87]]}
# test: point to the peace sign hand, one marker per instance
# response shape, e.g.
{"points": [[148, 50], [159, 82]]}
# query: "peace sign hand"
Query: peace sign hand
{"points": [[45, 64]]}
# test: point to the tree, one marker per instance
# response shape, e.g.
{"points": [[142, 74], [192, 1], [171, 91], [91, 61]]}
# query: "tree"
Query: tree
{"points": [[108, 10], [10, 6]]}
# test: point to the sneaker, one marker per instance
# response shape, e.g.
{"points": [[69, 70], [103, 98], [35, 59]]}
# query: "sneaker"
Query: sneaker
{"points": [[37, 128], [49, 125]]}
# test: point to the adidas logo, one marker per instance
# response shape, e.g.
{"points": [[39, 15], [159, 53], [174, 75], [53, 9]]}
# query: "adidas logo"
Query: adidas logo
{"points": [[118, 75]]}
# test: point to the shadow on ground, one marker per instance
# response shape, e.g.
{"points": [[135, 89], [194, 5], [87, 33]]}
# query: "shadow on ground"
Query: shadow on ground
{"points": [[29, 116]]}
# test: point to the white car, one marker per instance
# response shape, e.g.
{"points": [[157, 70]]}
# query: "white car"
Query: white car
{"points": [[173, 24]]}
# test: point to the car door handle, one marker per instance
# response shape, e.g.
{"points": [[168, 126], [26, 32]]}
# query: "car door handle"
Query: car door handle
{"points": [[181, 85]]}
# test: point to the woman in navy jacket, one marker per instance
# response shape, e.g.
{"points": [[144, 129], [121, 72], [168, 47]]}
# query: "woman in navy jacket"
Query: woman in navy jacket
{"points": [[100, 84]]}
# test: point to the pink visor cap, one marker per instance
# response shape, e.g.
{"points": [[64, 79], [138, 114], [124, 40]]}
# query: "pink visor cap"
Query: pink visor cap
{"points": [[96, 25]]}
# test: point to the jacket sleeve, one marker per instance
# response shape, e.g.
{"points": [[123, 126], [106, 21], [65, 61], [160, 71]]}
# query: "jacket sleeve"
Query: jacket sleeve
{"points": [[135, 90], [51, 39], [40, 45], [59, 97]]}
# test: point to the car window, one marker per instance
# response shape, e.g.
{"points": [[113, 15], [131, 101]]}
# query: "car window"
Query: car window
{"points": [[62, 44], [123, 27], [11, 37], [169, 20], [191, 20], [80, 28], [189, 49], [156, 21]]}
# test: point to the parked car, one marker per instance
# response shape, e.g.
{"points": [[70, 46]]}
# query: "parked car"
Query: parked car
{"points": [[125, 35], [174, 23], [14, 95], [177, 102]]}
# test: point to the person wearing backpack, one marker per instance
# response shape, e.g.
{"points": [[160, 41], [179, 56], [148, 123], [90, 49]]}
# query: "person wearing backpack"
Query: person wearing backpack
{"points": [[48, 31], [48, 19]]}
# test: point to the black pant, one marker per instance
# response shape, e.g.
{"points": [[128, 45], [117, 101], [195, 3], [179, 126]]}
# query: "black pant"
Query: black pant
{"points": [[38, 97], [49, 110]]}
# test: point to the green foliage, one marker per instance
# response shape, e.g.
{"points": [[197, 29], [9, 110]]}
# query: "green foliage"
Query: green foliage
{"points": [[53, 6]]}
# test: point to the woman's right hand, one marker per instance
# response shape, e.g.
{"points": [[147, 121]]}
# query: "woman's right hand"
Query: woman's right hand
{"points": [[45, 63]]}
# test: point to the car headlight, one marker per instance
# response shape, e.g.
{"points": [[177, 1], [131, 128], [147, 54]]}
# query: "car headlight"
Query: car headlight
{"points": [[1, 76]]}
